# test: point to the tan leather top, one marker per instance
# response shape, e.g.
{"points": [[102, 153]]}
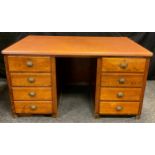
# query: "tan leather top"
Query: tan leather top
{"points": [[77, 46]]}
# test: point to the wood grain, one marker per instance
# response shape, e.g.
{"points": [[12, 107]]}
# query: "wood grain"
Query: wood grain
{"points": [[114, 64], [113, 80], [19, 64], [23, 79], [128, 108], [9, 85], [77, 46], [130, 94], [54, 86], [98, 83], [144, 86], [41, 93], [41, 107], [36, 56]]}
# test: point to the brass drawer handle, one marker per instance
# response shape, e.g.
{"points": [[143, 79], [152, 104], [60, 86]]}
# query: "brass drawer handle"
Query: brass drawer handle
{"points": [[29, 63], [120, 95], [123, 65], [31, 79], [119, 108], [33, 107], [32, 94], [121, 81]]}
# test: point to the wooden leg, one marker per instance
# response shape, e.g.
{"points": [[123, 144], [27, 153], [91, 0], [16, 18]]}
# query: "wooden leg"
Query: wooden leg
{"points": [[97, 116], [137, 117], [55, 115], [14, 115]]}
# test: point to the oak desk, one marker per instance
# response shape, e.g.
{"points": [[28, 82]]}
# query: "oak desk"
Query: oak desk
{"points": [[120, 67]]}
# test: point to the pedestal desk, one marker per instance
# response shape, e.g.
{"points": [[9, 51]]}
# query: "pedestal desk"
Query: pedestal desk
{"points": [[116, 67]]}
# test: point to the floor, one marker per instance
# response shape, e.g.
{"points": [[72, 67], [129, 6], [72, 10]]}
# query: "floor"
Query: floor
{"points": [[75, 107]]}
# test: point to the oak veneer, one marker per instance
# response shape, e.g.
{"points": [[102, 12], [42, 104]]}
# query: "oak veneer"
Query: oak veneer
{"points": [[121, 80], [29, 64], [33, 107], [130, 64], [32, 93], [77, 46], [108, 94], [119, 108], [128, 94], [31, 79], [122, 68], [32, 84]]}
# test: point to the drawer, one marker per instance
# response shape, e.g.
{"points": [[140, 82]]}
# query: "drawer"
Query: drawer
{"points": [[33, 107], [120, 94], [121, 80], [31, 79], [32, 93], [123, 64], [29, 64], [119, 108]]}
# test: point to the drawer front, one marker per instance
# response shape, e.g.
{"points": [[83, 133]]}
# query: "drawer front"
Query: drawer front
{"points": [[31, 79], [120, 94], [123, 64], [33, 107], [26, 93], [121, 80], [119, 108], [29, 64]]}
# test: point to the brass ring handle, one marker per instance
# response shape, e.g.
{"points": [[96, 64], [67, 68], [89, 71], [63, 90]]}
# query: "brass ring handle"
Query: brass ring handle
{"points": [[31, 79], [120, 94], [32, 94], [29, 63], [33, 107], [119, 108], [123, 65], [121, 81]]}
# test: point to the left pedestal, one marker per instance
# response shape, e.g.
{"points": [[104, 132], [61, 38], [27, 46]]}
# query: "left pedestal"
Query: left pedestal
{"points": [[32, 84]]}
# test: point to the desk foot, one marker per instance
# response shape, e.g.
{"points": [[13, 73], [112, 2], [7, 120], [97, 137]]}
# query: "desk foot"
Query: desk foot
{"points": [[97, 116], [55, 115], [14, 115], [137, 117]]}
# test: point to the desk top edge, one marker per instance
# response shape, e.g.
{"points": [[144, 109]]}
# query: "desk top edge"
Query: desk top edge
{"points": [[77, 46]]}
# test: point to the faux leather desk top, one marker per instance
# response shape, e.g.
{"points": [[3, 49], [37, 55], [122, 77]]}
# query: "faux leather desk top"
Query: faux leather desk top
{"points": [[77, 46]]}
